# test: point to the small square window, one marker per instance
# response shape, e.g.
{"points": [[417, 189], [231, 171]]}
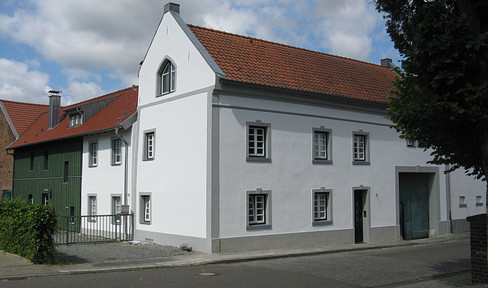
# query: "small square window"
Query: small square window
{"points": [[321, 146], [93, 154], [145, 204], [322, 207], [116, 152], [258, 142], [360, 148], [149, 145], [479, 201], [462, 201], [410, 143], [258, 209]]}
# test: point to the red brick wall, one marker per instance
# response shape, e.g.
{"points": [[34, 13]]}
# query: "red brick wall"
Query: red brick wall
{"points": [[479, 264], [6, 161]]}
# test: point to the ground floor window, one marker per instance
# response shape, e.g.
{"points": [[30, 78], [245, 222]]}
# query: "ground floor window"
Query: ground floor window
{"points": [[92, 207], [258, 209], [321, 206], [145, 216], [45, 199], [116, 208]]}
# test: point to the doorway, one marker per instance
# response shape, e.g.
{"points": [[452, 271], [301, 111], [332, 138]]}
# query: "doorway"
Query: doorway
{"points": [[361, 216]]}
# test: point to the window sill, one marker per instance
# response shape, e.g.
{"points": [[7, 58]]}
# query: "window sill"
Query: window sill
{"points": [[322, 223], [116, 164], [361, 163], [258, 159], [322, 161], [258, 227], [479, 204], [463, 205], [148, 159], [144, 223], [164, 94], [92, 166]]}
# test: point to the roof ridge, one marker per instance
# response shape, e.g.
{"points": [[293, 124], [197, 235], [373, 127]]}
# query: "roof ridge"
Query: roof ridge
{"points": [[99, 97], [24, 103], [285, 45]]}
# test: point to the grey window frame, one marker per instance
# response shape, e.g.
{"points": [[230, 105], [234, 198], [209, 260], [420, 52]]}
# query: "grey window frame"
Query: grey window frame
{"points": [[92, 154], [317, 221], [114, 152], [89, 211], [250, 157], [328, 133], [45, 199], [146, 145], [160, 90], [113, 209], [142, 204], [366, 160], [267, 209]]}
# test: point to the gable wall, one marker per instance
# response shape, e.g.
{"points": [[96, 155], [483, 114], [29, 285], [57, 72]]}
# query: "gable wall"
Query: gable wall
{"points": [[6, 161]]}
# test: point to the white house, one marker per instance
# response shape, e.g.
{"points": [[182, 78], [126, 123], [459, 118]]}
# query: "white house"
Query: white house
{"points": [[244, 144]]}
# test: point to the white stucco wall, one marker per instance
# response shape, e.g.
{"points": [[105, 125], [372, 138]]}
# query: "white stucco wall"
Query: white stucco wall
{"points": [[171, 42], [177, 178], [291, 176], [105, 180]]}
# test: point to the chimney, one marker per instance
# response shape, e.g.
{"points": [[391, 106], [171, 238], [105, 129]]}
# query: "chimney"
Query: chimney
{"points": [[170, 6], [54, 108], [388, 63]]}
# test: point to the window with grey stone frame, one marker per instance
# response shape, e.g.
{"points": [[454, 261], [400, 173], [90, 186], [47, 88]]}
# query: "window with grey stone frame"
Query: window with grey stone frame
{"points": [[360, 148], [145, 205], [321, 206], [149, 145], [116, 151], [93, 154], [258, 207], [321, 146], [116, 208], [92, 207], [258, 142], [166, 78]]}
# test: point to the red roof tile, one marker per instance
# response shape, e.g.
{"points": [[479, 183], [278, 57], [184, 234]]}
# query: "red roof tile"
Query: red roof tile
{"points": [[256, 61], [23, 115], [124, 106]]}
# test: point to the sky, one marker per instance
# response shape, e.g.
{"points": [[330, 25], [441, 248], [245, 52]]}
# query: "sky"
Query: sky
{"points": [[87, 48]]}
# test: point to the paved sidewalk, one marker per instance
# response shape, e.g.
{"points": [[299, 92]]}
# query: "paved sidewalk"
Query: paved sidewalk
{"points": [[15, 267]]}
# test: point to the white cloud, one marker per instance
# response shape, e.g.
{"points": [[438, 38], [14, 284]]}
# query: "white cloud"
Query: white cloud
{"points": [[80, 91], [18, 83]]}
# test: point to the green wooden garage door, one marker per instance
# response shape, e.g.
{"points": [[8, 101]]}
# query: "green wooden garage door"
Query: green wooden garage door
{"points": [[414, 205]]}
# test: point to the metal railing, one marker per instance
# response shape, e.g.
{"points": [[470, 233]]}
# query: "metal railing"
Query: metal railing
{"points": [[95, 228]]}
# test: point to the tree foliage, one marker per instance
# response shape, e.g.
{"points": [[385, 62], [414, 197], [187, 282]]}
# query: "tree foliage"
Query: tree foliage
{"points": [[441, 99]]}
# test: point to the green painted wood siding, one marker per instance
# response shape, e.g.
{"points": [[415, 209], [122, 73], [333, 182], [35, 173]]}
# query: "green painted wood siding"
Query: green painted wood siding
{"points": [[61, 180]]}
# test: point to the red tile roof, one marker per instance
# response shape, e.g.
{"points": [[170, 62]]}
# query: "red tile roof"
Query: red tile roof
{"points": [[256, 61], [23, 115], [124, 106]]}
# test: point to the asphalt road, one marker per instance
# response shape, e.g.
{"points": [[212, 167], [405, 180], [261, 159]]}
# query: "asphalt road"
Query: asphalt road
{"points": [[444, 264]]}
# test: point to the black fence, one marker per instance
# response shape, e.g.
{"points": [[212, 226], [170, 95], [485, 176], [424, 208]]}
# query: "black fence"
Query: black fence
{"points": [[95, 228]]}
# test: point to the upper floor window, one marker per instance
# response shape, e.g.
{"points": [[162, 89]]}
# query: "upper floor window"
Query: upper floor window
{"points": [[116, 152], [149, 145], [166, 78], [321, 147], [360, 148], [93, 154], [258, 142], [75, 119]]}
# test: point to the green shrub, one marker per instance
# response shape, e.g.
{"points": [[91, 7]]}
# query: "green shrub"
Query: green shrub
{"points": [[27, 230]]}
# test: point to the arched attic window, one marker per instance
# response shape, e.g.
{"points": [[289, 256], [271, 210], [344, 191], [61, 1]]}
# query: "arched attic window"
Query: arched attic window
{"points": [[166, 78]]}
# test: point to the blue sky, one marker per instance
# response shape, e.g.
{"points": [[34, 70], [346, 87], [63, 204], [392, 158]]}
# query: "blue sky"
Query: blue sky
{"points": [[91, 47]]}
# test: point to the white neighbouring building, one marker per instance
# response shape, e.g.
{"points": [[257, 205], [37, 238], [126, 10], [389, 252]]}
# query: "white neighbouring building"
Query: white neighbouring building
{"points": [[245, 144]]}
